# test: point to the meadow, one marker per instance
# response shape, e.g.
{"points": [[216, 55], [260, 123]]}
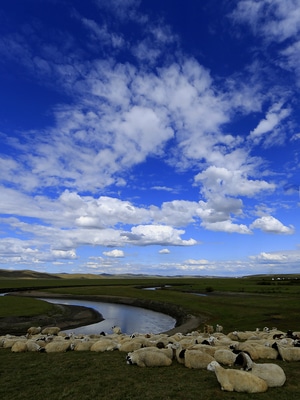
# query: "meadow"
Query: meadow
{"points": [[239, 303]]}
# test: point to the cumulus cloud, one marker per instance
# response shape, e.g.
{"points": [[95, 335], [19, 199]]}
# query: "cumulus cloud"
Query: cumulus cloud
{"points": [[114, 253], [269, 224], [157, 234], [221, 181], [164, 251]]}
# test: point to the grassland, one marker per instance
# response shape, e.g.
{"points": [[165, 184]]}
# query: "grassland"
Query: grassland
{"points": [[242, 303]]}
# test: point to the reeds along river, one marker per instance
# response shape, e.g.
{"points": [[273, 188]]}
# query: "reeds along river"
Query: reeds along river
{"points": [[129, 319]]}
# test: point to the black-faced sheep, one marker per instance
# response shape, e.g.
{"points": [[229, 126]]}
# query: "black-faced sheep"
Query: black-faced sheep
{"points": [[273, 374], [233, 380], [288, 353]]}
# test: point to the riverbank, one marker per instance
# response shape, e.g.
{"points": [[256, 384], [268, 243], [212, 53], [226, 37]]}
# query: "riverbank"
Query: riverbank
{"points": [[71, 317]]}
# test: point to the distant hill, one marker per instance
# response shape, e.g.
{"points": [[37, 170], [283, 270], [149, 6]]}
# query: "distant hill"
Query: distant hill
{"points": [[26, 274]]}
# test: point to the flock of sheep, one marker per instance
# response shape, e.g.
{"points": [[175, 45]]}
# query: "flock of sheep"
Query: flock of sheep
{"points": [[233, 357]]}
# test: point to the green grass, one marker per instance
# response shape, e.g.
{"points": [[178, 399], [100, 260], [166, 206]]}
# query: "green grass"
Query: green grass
{"points": [[11, 306], [242, 304], [88, 375]]}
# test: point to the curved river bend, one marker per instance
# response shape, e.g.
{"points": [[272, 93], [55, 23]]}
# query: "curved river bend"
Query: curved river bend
{"points": [[130, 319]]}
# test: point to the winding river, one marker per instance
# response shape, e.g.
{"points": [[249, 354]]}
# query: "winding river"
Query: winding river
{"points": [[130, 319]]}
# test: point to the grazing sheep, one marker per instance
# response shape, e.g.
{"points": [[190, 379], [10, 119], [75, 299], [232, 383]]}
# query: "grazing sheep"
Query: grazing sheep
{"points": [[219, 328], [149, 357], [233, 380], [51, 330], [273, 374]]}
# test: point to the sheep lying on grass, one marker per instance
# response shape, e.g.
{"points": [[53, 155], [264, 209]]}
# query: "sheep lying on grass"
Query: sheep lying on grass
{"points": [[151, 357], [33, 330], [233, 380], [22, 346], [59, 346], [197, 359], [273, 374], [104, 344], [225, 357], [287, 353], [51, 330]]}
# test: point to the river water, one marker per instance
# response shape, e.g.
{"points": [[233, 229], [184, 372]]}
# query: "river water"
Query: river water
{"points": [[130, 319]]}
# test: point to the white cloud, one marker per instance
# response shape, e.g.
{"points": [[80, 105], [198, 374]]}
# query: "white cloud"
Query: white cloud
{"points": [[271, 257], [274, 117], [164, 251], [296, 136], [269, 224], [65, 254], [221, 181], [157, 234], [275, 20], [226, 226], [114, 253]]}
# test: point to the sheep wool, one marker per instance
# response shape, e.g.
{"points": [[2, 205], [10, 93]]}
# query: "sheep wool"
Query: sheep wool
{"points": [[149, 357], [273, 374], [233, 380]]}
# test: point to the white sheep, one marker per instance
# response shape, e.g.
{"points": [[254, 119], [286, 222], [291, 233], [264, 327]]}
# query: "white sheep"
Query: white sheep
{"points": [[51, 330], [59, 346], [233, 380], [129, 345], [34, 330], [264, 351], [116, 329], [149, 357], [197, 359], [34, 346], [104, 344], [273, 374], [288, 353], [225, 356], [19, 346], [219, 328]]}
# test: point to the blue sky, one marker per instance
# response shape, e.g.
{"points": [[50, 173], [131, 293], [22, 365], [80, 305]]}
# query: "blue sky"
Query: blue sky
{"points": [[147, 136]]}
